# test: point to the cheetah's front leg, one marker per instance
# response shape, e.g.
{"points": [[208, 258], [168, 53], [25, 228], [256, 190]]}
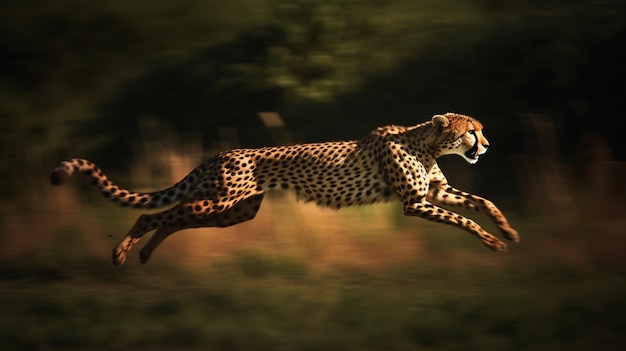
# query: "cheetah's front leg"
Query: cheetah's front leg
{"points": [[409, 178], [426, 210], [441, 193], [444, 194]]}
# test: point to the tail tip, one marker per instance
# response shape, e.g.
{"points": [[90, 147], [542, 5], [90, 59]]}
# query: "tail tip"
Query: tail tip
{"points": [[58, 177]]}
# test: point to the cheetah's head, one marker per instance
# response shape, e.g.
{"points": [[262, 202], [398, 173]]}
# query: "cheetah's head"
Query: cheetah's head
{"points": [[461, 135]]}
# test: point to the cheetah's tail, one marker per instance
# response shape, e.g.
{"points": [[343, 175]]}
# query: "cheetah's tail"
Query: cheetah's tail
{"points": [[112, 191]]}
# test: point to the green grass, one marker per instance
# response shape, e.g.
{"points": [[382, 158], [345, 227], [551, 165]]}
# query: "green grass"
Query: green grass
{"points": [[266, 302]]}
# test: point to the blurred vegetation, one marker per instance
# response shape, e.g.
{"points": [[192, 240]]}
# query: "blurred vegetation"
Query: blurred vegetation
{"points": [[150, 89], [89, 80], [233, 307], [82, 78]]}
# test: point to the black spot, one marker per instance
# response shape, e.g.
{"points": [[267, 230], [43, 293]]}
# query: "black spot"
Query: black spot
{"points": [[58, 177]]}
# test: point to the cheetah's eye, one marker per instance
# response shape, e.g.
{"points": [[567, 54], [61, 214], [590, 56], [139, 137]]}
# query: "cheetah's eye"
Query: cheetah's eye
{"points": [[472, 132]]}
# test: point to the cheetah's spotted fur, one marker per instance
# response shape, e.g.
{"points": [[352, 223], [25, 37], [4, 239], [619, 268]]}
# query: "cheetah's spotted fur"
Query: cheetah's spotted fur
{"points": [[392, 162]]}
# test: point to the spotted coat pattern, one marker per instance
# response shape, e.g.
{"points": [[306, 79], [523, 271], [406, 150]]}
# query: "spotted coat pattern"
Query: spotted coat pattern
{"points": [[392, 162]]}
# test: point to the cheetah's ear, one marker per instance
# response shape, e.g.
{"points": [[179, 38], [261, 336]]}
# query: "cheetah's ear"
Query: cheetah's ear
{"points": [[440, 123]]}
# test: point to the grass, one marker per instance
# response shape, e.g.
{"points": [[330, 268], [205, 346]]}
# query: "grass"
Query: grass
{"points": [[303, 278], [264, 301]]}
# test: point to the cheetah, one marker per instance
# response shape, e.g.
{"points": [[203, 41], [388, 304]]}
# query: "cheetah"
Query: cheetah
{"points": [[392, 162]]}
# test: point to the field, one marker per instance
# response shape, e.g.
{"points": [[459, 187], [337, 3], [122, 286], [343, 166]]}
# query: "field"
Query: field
{"points": [[302, 278]]}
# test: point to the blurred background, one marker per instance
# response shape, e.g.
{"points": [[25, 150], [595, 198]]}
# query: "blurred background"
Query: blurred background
{"points": [[148, 90]]}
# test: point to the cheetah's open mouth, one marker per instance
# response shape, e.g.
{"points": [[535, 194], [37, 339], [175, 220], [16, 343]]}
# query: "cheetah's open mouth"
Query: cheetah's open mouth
{"points": [[472, 153]]}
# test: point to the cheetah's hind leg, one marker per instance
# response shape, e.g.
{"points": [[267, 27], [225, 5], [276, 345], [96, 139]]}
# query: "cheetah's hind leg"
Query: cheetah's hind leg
{"points": [[144, 224], [242, 211]]}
